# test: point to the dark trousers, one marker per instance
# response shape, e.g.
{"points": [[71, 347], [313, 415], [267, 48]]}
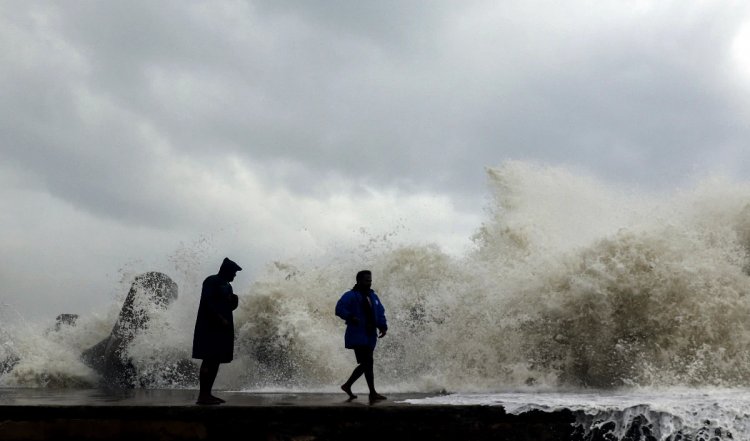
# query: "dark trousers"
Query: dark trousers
{"points": [[365, 363]]}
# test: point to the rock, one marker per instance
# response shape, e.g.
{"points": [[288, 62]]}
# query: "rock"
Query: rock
{"points": [[109, 357], [65, 320], [8, 355], [8, 362]]}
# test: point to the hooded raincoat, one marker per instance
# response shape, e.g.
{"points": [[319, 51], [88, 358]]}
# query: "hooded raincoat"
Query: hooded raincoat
{"points": [[213, 339]]}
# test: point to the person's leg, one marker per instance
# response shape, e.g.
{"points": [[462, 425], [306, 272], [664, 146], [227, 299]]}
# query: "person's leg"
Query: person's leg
{"points": [[214, 373], [209, 370], [347, 387], [368, 364], [356, 373]]}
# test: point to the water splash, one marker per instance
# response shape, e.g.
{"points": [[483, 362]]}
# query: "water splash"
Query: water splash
{"points": [[571, 283], [634, 415]]}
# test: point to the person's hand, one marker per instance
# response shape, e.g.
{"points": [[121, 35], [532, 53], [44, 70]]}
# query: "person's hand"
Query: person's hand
{"points": [[382, 333]]}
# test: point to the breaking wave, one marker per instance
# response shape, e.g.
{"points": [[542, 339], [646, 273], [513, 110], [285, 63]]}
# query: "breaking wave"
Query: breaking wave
{"points": [[570, 283]]}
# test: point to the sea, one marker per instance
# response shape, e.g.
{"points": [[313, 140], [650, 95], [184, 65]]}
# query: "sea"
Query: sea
{"points": [[629, 307]]}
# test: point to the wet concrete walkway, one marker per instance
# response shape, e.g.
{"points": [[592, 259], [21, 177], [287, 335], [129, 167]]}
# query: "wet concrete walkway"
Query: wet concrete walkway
{"points": [[183, 398], [140, 415]]}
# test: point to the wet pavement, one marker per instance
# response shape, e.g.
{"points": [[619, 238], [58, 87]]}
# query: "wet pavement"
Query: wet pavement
{"points": [[185, 397], [93, 414]]}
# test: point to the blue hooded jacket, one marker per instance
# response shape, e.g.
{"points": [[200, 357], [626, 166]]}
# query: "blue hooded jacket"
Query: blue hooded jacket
{"points": [[350, 306]]}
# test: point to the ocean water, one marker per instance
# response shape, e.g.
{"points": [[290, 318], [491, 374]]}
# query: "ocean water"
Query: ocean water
{"points": [[569, 286], [677, 413]]}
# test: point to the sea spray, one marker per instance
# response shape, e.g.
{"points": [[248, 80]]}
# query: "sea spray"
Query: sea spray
{"points": [[8, 352], [48, 356], [570, 283], [638, 414]]}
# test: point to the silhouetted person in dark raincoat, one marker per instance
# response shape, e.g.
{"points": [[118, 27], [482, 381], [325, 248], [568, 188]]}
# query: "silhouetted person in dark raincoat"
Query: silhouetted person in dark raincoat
{"points": [[213, 340], [364, 316]]}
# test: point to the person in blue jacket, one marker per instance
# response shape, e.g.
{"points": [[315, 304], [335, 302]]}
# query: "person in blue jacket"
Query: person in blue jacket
{"points": [[365, 321], [213, 340]]}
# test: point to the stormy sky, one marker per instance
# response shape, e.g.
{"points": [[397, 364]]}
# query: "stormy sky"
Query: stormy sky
{"points": [[165, 135]]}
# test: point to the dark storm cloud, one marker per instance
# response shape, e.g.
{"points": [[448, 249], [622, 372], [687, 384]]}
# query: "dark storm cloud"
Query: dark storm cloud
{"points": [[277, 92], [274, 126], [415, 95]]}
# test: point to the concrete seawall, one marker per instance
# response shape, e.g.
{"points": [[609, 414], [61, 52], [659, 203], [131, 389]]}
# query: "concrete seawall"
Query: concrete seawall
{"points": [[39, 414]]}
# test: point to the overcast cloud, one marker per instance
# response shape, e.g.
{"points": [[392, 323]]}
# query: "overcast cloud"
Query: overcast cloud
{"points": [[133, 131]]}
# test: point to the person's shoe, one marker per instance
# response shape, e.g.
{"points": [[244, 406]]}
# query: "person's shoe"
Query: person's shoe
{"points": [[348, 390], [221, 401], [376, 397], [209, 401]]}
